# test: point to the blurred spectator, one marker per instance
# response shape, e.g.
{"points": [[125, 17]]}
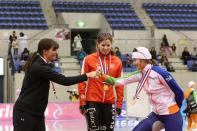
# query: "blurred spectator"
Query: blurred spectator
{"points": [[117, 52], [77, 43], [22, 42], [15, 47], [67, 36], [17, 63], [173, 47], [165, 40], [13, 36], [80, 56], [56, 66], [185, 55], [194, 66], [162, 55], [194, 53], [153, 53], [166, 46], [25, 54], [128, 60]]}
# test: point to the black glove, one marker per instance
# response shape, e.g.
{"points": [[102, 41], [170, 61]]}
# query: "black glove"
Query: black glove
{"points": [[118, 111], [82, 109]]}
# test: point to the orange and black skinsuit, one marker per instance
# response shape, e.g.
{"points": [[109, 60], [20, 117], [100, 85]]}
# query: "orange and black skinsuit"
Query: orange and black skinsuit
{"points": [[97, 100], [191, 118]]}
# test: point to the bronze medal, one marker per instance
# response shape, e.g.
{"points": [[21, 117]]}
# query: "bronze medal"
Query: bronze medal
{"points": [[105, 87]]}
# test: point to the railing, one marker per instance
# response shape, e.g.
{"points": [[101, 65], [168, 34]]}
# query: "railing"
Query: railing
{"points": [[188, 38]]}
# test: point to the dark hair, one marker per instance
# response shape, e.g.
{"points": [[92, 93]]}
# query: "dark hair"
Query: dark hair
{"points": [[21, 34], [105, 36], [44, 44]]}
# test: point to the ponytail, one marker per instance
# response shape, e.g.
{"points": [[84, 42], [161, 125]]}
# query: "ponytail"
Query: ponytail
{"points": [[29, 62]]}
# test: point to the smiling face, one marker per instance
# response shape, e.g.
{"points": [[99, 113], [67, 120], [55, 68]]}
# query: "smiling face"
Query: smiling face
{"points": [[140, 64], [47, 48], [50, 54], [105, 47]]}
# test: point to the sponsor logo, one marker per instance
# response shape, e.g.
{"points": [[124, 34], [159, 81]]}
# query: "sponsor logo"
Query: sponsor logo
{"points": [[168, 78]]}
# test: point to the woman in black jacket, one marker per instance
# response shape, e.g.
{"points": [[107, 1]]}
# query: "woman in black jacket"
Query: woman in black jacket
{"points": [[28, 112]]}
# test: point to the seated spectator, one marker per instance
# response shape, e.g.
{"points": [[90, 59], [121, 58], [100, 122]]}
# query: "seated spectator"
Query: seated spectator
{"points": [[25, 55], [194, 66], [173, 47], [162, 55], [18, 65], [80, 56], [56, 66], [128, 60], [117, 52], [123, 59], [153, 53], [185, 55]]}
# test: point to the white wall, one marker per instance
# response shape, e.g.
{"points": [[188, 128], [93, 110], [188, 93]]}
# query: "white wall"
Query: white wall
{"points": [[91, 20], [126, 40]]}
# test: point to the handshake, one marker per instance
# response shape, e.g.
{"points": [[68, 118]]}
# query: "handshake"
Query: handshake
{"points": [[95, 74]]}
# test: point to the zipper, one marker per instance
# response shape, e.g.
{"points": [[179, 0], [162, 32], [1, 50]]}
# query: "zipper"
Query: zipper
{"points": [[104, 93]]}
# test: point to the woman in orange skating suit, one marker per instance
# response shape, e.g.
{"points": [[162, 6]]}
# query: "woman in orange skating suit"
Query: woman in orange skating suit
{"points": [[191, 118]]}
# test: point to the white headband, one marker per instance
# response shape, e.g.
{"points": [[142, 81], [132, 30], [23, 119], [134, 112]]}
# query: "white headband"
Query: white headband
{"points": [[141, 53]]}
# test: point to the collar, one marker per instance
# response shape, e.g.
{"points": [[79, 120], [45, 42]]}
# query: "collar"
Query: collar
{"points": [[148, 66], [102, 56], [43, 59]]}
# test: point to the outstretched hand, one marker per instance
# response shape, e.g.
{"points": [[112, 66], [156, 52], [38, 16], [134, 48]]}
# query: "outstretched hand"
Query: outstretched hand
{"points": [[94, 74]]}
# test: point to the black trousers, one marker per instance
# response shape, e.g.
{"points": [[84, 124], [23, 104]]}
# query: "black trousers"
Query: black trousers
{"points": [[100, 116], [24, 121]]}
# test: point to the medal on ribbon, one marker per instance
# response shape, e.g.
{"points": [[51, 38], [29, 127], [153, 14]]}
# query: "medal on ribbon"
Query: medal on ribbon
{"points": [[140, 86], [105, 87], [105, 70]]}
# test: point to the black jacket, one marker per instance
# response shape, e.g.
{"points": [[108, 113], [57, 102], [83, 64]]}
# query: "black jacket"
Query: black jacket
{"points": [[34, 94]]}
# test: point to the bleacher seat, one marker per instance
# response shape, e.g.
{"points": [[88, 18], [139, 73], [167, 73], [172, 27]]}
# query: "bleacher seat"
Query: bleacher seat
{"points": [[172, 16], [115, 12], [21, 14]]}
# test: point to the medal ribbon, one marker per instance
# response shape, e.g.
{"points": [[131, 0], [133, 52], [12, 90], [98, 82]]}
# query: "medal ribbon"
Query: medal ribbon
{"points": [[141, 83], [104, 67]]}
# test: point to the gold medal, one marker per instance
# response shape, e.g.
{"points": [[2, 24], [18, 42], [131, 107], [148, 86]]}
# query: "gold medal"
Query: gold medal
{"points": [[105, 87], [133, 101]]}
